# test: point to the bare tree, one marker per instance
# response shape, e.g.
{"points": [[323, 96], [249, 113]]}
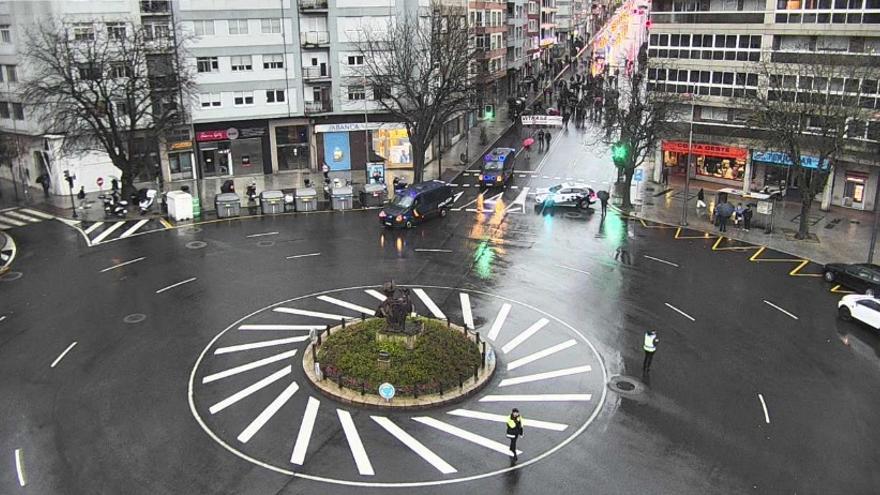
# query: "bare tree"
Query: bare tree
{"points": [[809, 112], [420, 72], [115, 88]]}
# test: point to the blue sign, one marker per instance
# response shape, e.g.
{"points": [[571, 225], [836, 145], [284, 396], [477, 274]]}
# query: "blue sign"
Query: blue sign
{"points": [[639, 175], [386, 391], [780, 158], [337, 152]]}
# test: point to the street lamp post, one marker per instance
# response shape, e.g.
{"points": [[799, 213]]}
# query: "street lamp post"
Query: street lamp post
{"points": [[874, 227], [687, 172]]}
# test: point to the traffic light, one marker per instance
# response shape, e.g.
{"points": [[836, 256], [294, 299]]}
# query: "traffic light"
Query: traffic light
{"points": [[489, 112], [69, 178], [620, 154]]}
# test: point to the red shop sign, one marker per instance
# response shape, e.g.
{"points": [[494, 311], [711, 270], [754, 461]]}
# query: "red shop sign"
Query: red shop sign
{"points": [[219, 135], [707, 150]]}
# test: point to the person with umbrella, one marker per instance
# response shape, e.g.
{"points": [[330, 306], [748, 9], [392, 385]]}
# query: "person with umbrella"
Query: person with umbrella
{"points": [[722, 213], [603, 198]]}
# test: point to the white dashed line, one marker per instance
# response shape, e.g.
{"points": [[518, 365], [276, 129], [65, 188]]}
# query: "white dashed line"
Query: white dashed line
{"points": [[178, 284], [302, 255], [682, 313], [572, 269], [124, 263], [661, 261], [61, 356], [19, 467], [423, 250], [262, 234], [764, 406], [780, 309]]}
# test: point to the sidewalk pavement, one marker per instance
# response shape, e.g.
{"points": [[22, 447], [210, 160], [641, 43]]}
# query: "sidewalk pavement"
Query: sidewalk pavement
{"points": [[841, 234]]}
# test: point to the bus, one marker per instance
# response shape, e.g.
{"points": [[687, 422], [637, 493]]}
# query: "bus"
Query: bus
{"points": [[497, 167]]}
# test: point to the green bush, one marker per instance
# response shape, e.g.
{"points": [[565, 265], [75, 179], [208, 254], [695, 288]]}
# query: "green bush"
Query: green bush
{"points": [[439, 357]]}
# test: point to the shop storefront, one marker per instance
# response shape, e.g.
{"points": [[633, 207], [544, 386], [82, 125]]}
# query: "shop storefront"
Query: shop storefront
{"points": [[291, 144], [350, 146], [711, 162], [180, 160], [855, 185], [233, 149], [774, 169]]}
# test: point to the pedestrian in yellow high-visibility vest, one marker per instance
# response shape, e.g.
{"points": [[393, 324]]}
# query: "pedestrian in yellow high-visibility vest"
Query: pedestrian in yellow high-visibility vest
{"points": [[650, 347], [514, 430]]}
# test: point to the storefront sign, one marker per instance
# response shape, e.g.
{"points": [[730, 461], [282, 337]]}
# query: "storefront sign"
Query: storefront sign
{"points": [[337, 152], [707, 150], [357, 126], [251, 132], [780, 158], [218, 135], [180, 145], [555, 120], [232, 133]]}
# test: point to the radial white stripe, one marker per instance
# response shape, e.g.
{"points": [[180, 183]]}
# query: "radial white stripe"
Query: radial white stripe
{"points": [[500, 418], [44, 216], [355, 444], [499, 321], [378, 295], [465, 435], [134, 228], [178, 284], [537, 398], [258, 345], [61, 356], [19, 468], [466, 311], [348, 305], [430, 304], [106, 232], [92, 227], [249, 366], [540, 354], [519, 339], [20, 216], [544, 376], [414, 445], [303, 312], [124, 263], [267, 413], [13, 221], [281, 327], [250, 389], [305, 432]]}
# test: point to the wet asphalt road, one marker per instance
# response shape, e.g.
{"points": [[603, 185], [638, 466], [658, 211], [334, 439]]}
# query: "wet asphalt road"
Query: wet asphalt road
{"points": [[113, 415]]}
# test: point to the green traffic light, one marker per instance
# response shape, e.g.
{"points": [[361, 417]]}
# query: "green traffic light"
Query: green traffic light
{"points": [[619, 154]]}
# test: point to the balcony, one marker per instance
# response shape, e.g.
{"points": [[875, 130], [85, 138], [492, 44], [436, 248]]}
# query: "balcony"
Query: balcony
{"points": [[155, 7], [320, 106], [719, 17], [314, 38], [316, 6], [313, 72]]}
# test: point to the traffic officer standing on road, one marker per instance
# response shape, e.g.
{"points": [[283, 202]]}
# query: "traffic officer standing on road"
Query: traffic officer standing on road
{"points": [[514, 430], [650, 348]]}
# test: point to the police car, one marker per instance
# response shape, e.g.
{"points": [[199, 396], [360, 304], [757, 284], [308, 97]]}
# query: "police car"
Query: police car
{"points": [[566, 194], [865, 309]]}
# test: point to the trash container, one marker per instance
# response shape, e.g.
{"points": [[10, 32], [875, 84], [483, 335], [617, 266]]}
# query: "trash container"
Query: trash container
{"points": [[228, 205], [374, 195], [341, 198], [306, 199], [272, 202], [180, 205], [289, 199]]}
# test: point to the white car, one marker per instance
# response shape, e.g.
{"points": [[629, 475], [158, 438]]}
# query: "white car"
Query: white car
{"points": [[565, 194], [863, 308]]}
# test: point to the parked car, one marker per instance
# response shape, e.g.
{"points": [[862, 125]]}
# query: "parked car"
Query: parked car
{"points": [[416, 204], [865, 309], [565, 194], [860, 277]]}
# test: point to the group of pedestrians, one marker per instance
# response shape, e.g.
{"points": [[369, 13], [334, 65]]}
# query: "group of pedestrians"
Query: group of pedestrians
{"points": [[543, 138], [724, 212]]}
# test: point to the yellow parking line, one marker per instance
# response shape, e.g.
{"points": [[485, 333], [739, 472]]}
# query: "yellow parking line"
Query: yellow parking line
{"points": [[837, 290], [678, 235], [165, 223], [734, 248], [797, 269]]}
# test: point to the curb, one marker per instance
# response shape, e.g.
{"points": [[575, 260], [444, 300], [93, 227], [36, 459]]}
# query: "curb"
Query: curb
{"points": [[7, 252]]}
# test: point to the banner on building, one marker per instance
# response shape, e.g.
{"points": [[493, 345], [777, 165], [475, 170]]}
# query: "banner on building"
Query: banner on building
{"points": [[555, 120], [337, 152]]}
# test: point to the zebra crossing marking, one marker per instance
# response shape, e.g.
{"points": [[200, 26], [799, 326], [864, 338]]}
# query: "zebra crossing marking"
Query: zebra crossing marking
{"points": [[20, 216], [540, 354], [248, 366], [134, 228], [432, 306], [260, 345], [500, 418], [298, 456], [250, 389], [414, 445], [466, 311], [544, 376], [267, 413], [465, 435], [347, 305], [361, 460], [524, 335], [303, 312], [499, 321]]}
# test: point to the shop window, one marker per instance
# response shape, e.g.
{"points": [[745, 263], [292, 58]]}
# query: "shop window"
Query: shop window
{"points": [[854, 188], [292, 144], [273, 61], [180, 165], [4, 110], [207, 64], [242, 63], [275, 96], [243, 98]]}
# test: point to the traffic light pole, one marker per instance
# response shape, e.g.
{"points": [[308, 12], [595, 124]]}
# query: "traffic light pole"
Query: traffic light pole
{"points": [[69, 178]]}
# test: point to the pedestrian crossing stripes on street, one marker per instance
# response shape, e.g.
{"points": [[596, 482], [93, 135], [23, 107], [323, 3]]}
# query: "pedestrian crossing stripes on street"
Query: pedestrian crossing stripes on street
{"points": [[20, 217], [106, 231]]}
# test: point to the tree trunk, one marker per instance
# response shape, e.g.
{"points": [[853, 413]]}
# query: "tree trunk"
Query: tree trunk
{"points": [[804, 224], [126, 182], [627, 182], [418, 157]]}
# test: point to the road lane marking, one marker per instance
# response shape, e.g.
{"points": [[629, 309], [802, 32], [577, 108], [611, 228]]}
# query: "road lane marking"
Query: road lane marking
{"points": [[302, 256], [178, 284], [465, 185], [465, 435], [260, 345], [499, 418], [249, 366], [305, 432], [414, 445], [61, 356], [462, 207], [304, 312], [499, 321], [20, 216], [4, 226], [124, 263], [250, 389], [520, 200], [281, 327], [165, 223], [430, 304], [780, 309], [661, 260], [44, 216], [19, 467], [544, 376], [106, 232], [540, 354], [455, 198], [525, 334], [355, 444], [267, 413], [426, 250], [261, 234], [348, 305], [17, 223], [92, 227], [682, 313], [134, 228], [537, 398], [764, 406], [378, 295], [466, 312], [2, 317], [572, 269]]}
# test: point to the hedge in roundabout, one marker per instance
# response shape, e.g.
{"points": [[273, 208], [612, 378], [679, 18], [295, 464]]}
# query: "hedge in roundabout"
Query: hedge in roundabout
{"points": [[440, 358]]}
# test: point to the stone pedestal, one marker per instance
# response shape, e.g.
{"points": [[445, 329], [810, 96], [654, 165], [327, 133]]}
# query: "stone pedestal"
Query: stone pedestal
{"points": [[407, 339]]}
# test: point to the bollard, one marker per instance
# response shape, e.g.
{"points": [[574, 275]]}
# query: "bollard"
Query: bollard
{"points": [[441, 389], [483, 356], [327, 329], [319, 338], [339, 380], [362, 387], [476, 372], [478, 341], [314, 353], [448, 324], [343, 323], [464, 329], [363, 317], [460, 383], [416, 391]]}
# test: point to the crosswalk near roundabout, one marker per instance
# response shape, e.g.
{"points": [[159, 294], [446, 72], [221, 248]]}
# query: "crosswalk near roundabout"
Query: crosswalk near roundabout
{"points": [[247, 390]]}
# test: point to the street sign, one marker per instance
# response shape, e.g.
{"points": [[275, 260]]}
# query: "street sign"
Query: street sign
{"points": [[554, 120], [638, 175], [100, 181], [765, 207], [386, 391]]}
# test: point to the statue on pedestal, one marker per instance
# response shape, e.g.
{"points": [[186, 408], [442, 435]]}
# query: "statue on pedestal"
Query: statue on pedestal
{"points": [[395, 308]]}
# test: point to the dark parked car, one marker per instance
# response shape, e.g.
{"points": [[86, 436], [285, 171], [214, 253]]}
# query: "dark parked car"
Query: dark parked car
{"points": [[861, 277], [417, 203]]}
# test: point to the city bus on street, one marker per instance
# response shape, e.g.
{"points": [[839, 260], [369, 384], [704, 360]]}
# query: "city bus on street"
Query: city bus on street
{"points": [[497, 167]]}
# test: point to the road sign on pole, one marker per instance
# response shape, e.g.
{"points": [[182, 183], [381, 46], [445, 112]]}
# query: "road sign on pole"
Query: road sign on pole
{"points": [[638, 175], [100, 181], [386, 391]]}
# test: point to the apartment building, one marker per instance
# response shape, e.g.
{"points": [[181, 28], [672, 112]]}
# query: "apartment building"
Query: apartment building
{"points": [[548, 27], [517, 43], [713, 48], [533, 35], [489, 25]]}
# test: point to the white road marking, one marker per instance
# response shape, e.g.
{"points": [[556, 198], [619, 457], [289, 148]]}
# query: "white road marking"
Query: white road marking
{"points": [[304, 312], [522, 176], [355, 444], [305, 432], [525, 334], [259, 345], [540, 354], [250, 389], [134, 228], [43, 215], [544, 376], [106, 232], [764, 406], [14, 222], [545, 176], [414, 445], [302, 256], [514, 187], [261, 234], [569, 178], [455, 198], [348, 305], [537, 398], [4, 226], [19, 467], [378, 295], [682, 313], [426, 250], [2, 317], [466, 311], [124, 263], [281, 327], [499, 418], [92, 227], [249, 366], [499, 321], [465, 185], [178, 284], [660, 260], [20, 216], [557, 178], [465, 435], [430, 304], [469, 203], [520, 200], [573, 269], [61, 356], [267, 413], [780, 309]]}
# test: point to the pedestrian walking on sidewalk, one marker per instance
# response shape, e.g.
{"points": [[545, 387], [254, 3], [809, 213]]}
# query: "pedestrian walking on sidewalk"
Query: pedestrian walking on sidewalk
{"points": [[81, 196], [603, 198], [540, 139], [722, 214], [747, 217], [44, 181], [514, 430], [664, 175], [650, 347], [547, 138]]}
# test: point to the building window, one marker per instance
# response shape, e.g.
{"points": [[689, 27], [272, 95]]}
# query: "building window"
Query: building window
{"points": [[238, 26], [355, 60], [207, 64], [5, 33], [209, 100], [381, 91], [11, 74], [116, 31], [242, 63], [4, 110], [356, 93], [275, 96], [203, 28], [121, 107], [18, 111], [273, 61], [83, 32], [156, 31], [87, 72], [270, 26], [118, 70], [243, 98]]}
